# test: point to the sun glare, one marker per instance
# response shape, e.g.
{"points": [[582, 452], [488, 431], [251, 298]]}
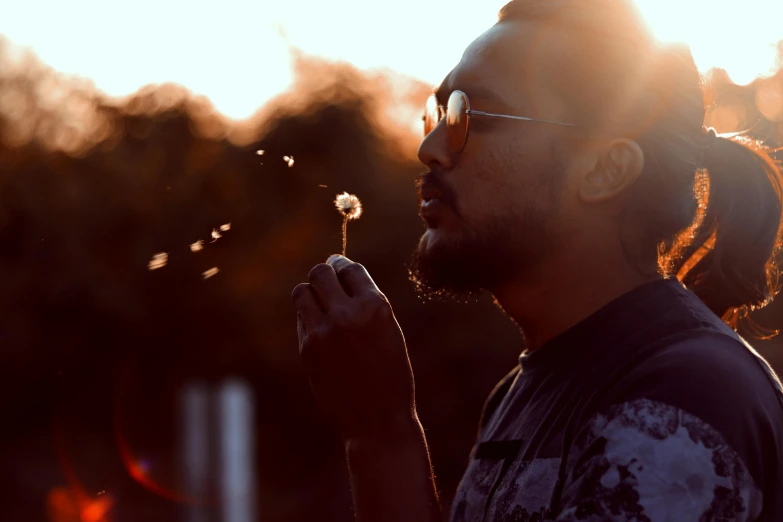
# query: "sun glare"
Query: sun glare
{"points": [[740, 38], [238, 53]]}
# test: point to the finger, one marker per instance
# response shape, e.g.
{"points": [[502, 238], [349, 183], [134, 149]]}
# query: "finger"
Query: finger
{"points": [[353, 276], [301, 330], [306, 351], [324, 282], [307, 306]]}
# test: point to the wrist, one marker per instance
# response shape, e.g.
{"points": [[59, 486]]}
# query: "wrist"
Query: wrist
{"points": [[391, 475]]}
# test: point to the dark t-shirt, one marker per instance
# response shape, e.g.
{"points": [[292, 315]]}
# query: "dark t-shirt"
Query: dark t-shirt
{"points": [[665, 415]]}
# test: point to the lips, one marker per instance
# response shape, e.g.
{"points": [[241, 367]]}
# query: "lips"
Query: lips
{"points": [[428, 191], [430, 208], [432, 201]]}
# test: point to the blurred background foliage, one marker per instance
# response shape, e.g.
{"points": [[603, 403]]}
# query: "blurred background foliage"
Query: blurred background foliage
{"points": [[95, 345]]}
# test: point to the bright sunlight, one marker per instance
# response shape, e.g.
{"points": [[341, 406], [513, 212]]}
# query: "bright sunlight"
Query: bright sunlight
{"points": [[237, 52]]}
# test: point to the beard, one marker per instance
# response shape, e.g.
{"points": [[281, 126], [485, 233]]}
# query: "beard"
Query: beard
{"points": [[483, 257], [479, 261]]}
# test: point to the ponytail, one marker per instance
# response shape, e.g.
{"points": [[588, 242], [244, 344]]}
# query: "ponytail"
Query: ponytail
{"points": [[731, 262]]}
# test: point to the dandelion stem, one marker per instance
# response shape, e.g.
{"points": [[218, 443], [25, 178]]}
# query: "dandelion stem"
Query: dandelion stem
{"points": [[345, 234]]}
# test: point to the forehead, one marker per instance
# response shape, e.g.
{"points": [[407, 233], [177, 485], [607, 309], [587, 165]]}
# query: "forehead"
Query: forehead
{"points": [[511, 66]]}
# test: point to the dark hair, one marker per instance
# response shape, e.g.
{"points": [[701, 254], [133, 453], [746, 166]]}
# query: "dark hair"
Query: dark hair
{"points": [[706, 208]]}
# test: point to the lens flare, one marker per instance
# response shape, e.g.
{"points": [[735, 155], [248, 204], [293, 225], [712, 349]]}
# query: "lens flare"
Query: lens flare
{"points": [[73, 502], [141, 470], [146, 433]]}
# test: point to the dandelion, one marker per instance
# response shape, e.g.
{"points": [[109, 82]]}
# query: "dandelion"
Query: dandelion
{"points": [[224, 228], [260, 152], [215, 235], [350, 208], [197, 246], [209, 273], [289, 160], [159, 260]]}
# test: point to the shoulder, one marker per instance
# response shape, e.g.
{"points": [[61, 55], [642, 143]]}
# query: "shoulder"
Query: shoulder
{"points": [[712, 374], [706, 408], [715, 377]]}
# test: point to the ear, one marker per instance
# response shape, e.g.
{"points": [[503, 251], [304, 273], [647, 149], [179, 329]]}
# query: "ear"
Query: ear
{"points": [[619, 165]]}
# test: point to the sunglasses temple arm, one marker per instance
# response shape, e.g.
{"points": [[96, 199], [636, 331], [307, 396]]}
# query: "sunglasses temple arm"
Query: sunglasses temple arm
{"points": [[508, 116]]}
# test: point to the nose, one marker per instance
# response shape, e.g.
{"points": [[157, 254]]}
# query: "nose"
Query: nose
{"points": [[434, 151]]}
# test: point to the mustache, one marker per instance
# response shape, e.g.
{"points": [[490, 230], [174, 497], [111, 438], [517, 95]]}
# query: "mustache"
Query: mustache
{"points": [[432, 180]]}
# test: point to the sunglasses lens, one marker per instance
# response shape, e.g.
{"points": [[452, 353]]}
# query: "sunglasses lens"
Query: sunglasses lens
{"points": [[457, 120], [430, 114]]}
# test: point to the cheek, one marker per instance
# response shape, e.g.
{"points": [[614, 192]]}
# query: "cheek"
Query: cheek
{"points": [[512, 164], [499, 182], [503, 179]]}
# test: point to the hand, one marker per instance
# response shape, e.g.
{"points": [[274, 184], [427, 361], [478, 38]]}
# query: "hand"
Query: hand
{"points": [[353, 351]]}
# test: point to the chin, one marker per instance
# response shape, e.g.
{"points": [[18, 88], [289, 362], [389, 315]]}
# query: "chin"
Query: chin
{"points": [[435, 243], [441, 270]]}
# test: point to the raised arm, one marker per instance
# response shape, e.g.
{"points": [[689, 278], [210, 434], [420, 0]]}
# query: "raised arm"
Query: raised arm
{"points": [[355, 355]]}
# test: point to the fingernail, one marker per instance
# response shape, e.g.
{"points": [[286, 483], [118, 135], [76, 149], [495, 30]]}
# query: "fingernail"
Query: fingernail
{"points": [[333, 257]]}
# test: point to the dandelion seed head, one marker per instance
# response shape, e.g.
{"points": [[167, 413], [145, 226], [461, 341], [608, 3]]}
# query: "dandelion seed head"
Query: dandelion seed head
{"points": [[225, 227], [209, 273], [197, 246], [289, 160], [348, 205], [260, 152], [323, 186], [159, 260], [216, 235]]}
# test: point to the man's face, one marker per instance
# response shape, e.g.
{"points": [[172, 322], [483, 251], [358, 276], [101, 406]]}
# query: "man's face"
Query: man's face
{"points": [[501, 198]]}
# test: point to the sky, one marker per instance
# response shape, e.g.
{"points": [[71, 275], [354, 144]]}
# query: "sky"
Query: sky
{"points": [[238, 52]]}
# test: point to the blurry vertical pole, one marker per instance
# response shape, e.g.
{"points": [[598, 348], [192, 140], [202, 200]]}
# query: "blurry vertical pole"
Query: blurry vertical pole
{"points": [[195, 451], [237, 452]]}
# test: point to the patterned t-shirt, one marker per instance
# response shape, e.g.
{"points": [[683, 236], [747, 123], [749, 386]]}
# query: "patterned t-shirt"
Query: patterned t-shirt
{"points": [[664, 413]]}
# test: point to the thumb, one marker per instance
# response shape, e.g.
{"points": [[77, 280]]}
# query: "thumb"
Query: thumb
{"points": [[336, 257]]}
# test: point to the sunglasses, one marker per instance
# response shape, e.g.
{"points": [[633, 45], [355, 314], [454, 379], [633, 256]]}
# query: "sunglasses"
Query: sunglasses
{"points": [[458, 113]]}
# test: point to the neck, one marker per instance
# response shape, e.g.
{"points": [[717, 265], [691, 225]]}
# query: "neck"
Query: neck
{"points": [[566, 289]]}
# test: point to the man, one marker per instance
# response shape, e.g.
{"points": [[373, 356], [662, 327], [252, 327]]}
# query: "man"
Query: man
{"points": [[570, 177]]}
